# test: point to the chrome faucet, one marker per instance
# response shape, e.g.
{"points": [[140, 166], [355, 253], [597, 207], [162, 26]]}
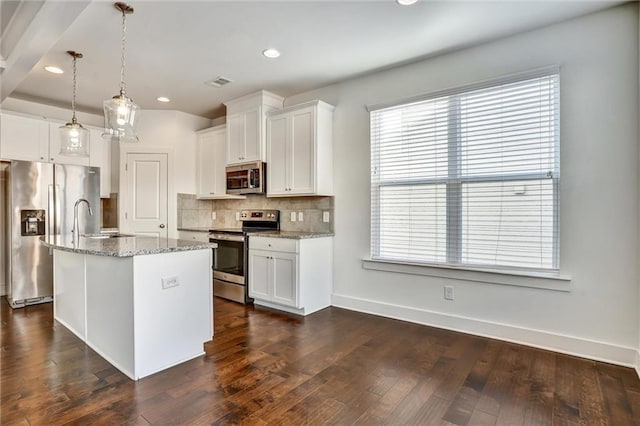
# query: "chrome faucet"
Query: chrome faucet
{"points": [[76, 229]]}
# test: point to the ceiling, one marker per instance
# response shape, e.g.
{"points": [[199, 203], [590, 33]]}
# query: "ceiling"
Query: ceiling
{"points": [[173, 47]]}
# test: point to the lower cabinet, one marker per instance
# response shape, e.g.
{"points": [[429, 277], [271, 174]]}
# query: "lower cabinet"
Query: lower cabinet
{"points": [[293, 275]]}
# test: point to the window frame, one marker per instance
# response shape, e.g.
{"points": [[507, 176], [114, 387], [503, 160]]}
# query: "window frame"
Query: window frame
{"points": [[455, 181]]}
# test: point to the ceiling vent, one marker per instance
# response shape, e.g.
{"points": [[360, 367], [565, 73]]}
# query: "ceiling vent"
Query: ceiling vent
{"points": [[218, 81]]}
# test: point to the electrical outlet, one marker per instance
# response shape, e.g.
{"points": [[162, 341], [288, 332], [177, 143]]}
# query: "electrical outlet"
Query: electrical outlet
{"points": [[293, 216], [168, 282], [237, 215], [448, 292], [213, 215], [325, 217], [300, 217]]}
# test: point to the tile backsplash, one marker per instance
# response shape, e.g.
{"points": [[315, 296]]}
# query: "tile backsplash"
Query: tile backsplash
{"points": [[194, 213]]}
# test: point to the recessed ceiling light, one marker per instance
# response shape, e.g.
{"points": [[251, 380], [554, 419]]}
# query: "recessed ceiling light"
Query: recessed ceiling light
{"points": [[163, 99], [53, 70], [271, 53], [406, 2]]}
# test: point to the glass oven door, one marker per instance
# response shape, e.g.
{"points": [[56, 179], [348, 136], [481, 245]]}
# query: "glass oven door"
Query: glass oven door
{"points": [[228, 258]]}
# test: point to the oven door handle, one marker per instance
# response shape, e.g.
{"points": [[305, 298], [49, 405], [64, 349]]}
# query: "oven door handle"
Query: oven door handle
{"points": [[222, 237]]}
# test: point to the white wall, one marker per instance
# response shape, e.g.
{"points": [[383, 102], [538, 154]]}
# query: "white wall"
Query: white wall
{"points": [[598, 317], [174, 130]]}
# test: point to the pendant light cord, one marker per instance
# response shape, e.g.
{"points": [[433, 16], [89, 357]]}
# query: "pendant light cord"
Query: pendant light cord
{"points": [[73, 99], [122, 48]]}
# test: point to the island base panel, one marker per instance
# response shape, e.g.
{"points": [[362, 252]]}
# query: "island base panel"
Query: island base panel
{"points": [[69, 291], [110, 310], [172, 323]]}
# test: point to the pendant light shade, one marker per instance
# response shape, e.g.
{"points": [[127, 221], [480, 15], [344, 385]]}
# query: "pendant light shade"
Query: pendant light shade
{"points": [[120, 115], [74, 139], [120, 112]]}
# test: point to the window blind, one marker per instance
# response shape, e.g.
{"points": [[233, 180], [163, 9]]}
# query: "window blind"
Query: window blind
{"points": [[470, 177]]}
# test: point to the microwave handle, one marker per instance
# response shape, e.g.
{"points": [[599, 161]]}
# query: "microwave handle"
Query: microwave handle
{"points": [[251, 178]]}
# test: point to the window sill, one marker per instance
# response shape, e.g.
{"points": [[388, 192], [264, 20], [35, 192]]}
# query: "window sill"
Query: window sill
{"points": [[541, 280]]}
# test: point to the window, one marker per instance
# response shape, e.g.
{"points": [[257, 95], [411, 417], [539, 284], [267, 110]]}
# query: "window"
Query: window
{"points": [[469, 177]]}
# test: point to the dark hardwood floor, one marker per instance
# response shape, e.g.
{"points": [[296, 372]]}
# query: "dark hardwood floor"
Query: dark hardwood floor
{"points": [[336, 367]]}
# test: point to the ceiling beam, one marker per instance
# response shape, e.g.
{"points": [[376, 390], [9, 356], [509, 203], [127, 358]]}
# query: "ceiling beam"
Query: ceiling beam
{"points": [[33, 32]]}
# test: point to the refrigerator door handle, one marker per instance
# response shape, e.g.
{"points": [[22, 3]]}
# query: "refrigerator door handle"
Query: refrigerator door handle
{"points": [[50, 212], [56, 205]]}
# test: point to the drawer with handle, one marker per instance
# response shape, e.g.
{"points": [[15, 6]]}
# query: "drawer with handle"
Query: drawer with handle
{"points": [[288, 245]]}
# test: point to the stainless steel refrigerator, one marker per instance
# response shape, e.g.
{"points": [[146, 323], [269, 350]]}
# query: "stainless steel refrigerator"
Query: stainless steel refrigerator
{"points": [[38, 200]]}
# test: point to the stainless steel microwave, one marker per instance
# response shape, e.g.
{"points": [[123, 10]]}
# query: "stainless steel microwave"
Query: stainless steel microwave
{"points": [[247, 178]]}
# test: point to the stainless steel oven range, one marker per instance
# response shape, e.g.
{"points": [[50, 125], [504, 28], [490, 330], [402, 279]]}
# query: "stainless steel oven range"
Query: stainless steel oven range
{"points": [[231, 257]]}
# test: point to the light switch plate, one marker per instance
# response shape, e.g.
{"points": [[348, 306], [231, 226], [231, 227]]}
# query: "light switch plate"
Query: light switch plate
{"points": [[237, 215], [325, 216], [213, 215], [300, 216], [293, 216]]}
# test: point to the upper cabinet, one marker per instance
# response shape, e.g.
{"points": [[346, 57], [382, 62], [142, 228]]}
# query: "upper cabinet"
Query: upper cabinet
{"points": [[36, 139], [33, 139], [246, 121], [211, 158], [24, 138], [299, 150]]}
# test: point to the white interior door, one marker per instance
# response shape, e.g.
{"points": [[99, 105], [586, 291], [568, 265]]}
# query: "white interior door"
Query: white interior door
{"points": [[147, 207]]}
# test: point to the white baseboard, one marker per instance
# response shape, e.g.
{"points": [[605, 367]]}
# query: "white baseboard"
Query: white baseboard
{"points": [[599, 351]]}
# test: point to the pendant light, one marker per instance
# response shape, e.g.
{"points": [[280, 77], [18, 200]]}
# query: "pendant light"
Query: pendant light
{"points": [[74, 139], [120, 113]]}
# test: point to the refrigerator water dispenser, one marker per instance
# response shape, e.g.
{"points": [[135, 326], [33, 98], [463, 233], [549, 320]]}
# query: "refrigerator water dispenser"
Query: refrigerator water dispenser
{"points": [[32, 222]]}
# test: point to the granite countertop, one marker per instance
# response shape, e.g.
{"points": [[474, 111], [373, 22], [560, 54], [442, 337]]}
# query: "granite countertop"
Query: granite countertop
{"points": [[290, 234], [194, 229], [123, 246]]}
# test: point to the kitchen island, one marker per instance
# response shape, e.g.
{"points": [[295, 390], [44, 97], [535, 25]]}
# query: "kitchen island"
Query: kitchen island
{"points": [[143, 303]]}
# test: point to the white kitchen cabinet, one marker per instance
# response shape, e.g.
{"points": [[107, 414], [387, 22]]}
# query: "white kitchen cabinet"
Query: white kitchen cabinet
{"points": [[274, 277], [293, 275], [246, 121], [194, 236], [260, 281], [211, 161], [100, 156], [37, 139], [299, 150], [23, 138]]}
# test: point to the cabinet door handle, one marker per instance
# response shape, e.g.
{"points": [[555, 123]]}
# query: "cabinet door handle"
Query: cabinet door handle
{"points": [[162, 226]]}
